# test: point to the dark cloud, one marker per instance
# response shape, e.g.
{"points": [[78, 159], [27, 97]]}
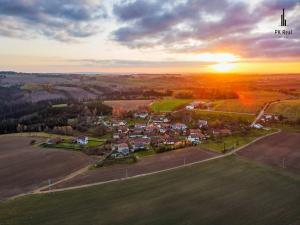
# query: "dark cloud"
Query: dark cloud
{"points": [[201, 25], [59, 19]]}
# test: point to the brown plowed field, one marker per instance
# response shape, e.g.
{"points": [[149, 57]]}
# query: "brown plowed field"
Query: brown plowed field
{"points": [[282, 150], [24, 167], [144, 165]]}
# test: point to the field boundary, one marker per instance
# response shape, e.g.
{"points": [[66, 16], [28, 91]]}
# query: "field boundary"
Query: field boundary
{"points": [[39, 191], [68, 177]]}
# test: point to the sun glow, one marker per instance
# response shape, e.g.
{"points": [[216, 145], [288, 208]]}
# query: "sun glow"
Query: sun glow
{"points": [[217, 57], [223, 67]]}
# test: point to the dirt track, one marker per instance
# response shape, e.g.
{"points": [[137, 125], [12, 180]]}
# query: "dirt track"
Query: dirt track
{"points": [[145, 165], [282, 150], [24, 167]]}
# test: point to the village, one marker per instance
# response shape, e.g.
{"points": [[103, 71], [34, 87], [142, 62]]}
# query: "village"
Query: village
{"points": [[144, 131]]}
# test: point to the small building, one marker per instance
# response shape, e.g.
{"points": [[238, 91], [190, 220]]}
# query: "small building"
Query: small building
{"points": [[141, 115], [160, 119], [195, 136], [190, 107], [82, 140], [140, 144], [123, 129], [196, 104], [172, 140], [123, 149], [195, 131], [118, 123], [179, 126], [222, 132], [257, 126], [116, 136], [136, 133], [202, 123], [140, 126], [194, 139]]}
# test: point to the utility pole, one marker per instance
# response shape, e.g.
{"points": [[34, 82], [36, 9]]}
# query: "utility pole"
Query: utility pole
{"points": [[49, 184], [184, 161], [126, 173]]}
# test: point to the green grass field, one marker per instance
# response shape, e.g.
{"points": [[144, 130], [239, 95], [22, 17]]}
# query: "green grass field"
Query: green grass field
{"points": [[67, 144], [169, 104], [234, 141], [287, 108], [59, 106], [225, 191]]}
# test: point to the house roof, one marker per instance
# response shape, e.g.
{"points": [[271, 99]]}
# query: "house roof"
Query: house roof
{"points": [[178, 125], [195, 131], [123, 145], [82, 138]]}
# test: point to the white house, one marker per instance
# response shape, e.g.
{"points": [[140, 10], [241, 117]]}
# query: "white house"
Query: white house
{"points": [[83, 140], [194, 138], [178, 126], [141, 115], [257, 126], [190, 107], [123, 149]]}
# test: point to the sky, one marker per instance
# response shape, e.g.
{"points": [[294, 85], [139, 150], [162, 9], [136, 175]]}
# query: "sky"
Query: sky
{"points": [[149, 36]]}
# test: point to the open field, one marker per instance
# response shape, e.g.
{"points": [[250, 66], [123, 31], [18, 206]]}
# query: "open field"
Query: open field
{"points": [[144, 165], [169, 104], [225, 116], [281, 150], [59, 106], [68, 144], [128, 104], [234, 141], [248, 101], [287, 108], [226, 191], [24, 167]]}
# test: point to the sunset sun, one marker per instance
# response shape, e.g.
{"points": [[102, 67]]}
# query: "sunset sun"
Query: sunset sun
{"points": [[223, 67]]}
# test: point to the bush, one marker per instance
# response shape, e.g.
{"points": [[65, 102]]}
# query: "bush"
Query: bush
{"points": [[163, 148], [184, 95], [110, 161]]}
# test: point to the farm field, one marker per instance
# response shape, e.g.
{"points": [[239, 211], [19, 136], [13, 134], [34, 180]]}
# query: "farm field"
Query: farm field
{"points": [[280, 150], [128, 104], [152, 163], [169, 104], [225, 116], [248, 101], [287, 108], [234, 141], [226, 191], [24, 167]]}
